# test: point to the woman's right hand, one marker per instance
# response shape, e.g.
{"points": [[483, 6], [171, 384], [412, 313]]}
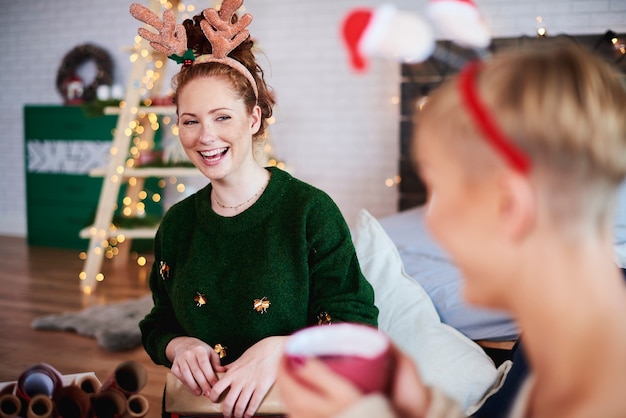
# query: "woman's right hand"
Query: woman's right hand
{"points": [[312, 390], [195, 363]]}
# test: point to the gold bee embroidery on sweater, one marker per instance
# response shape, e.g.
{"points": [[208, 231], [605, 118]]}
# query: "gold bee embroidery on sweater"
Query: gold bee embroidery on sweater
{"points": [[200, 299], [261, 305], [164, 270], [220, 349], [324, 318]]}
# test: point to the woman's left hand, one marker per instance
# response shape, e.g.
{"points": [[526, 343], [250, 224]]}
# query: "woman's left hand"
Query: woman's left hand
{"points": [[248, 379]]}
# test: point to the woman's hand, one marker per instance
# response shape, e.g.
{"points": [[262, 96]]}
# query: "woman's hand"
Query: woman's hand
{"points": [[195, 363], [310, 389], [248, 379]]}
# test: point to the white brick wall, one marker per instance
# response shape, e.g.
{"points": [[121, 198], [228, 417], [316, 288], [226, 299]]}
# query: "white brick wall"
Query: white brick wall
{"points": [[336, 130]]}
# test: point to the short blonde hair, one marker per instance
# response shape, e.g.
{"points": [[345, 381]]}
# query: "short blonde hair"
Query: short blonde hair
{"points": [[562, 106]]}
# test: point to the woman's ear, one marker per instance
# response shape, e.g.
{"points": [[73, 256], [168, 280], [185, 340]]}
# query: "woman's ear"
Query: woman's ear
{"points": [[517, 206], [255, 118]]}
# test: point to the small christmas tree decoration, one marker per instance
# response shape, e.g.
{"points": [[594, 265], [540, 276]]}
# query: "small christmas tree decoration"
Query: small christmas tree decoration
{"points": [[385, 32], [460, 21]]}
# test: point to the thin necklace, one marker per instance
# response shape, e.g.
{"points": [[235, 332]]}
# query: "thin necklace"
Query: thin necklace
{"points": [[247, 201]]}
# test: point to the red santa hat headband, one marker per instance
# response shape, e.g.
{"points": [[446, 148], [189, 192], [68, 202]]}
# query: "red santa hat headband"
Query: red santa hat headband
{"points": [[223, 35], [479, 113], [403, 36], [387, 33], [398, 35]]}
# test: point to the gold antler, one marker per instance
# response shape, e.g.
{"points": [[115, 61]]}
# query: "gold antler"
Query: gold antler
{"points": [[171, 39], [223, 35]]}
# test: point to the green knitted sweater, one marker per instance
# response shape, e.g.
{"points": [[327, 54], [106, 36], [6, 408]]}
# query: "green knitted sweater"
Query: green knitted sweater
{"points": [[291, 253]]}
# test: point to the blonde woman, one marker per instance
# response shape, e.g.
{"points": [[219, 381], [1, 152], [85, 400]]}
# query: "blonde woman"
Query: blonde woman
{"points": [[522, 156]]}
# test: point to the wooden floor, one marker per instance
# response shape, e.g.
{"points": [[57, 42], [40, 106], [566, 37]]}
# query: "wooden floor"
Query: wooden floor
{"points": [[39, 281]]}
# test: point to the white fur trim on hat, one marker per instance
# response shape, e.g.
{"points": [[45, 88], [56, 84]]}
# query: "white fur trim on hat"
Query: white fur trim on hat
{"points": [[460, 22], [400, 36]]}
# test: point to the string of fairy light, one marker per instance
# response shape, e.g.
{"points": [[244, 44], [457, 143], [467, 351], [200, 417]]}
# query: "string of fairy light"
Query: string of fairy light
{"points": [[140, 130], [150, 117]]}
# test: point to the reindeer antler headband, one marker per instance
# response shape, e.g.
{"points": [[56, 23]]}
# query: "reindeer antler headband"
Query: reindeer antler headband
{"points": [[223, 35]]}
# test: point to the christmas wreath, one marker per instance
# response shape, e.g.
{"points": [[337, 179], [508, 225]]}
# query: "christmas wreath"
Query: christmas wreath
{"points": [[66, 74]]}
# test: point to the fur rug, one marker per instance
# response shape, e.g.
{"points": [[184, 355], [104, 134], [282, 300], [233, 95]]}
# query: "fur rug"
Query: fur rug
{"points": [[114, 326]]}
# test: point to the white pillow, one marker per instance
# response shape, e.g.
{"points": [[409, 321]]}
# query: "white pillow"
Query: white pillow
{"points": [[446, 358]]}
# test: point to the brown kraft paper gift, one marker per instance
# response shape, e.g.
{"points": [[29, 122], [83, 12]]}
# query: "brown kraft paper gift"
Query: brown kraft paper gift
{"points": [[182, 402]]}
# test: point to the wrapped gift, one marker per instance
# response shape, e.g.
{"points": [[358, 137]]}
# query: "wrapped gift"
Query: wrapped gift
{"points": [[181, 402]]}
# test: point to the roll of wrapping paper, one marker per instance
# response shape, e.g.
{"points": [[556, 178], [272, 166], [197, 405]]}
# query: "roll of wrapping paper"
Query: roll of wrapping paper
{"points": [[129, 377], [108, 403], [39, 379], [89, 384], [40, 406], [10, 405], [137, 406], [72, 401]]}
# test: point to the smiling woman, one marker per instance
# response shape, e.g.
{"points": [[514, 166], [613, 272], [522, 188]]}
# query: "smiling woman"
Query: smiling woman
{"points": [[256, 254]]}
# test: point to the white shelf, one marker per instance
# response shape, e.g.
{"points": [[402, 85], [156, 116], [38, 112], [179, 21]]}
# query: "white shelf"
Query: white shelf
{"points": [[160, 110], [129, 233], [151, 172]]}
